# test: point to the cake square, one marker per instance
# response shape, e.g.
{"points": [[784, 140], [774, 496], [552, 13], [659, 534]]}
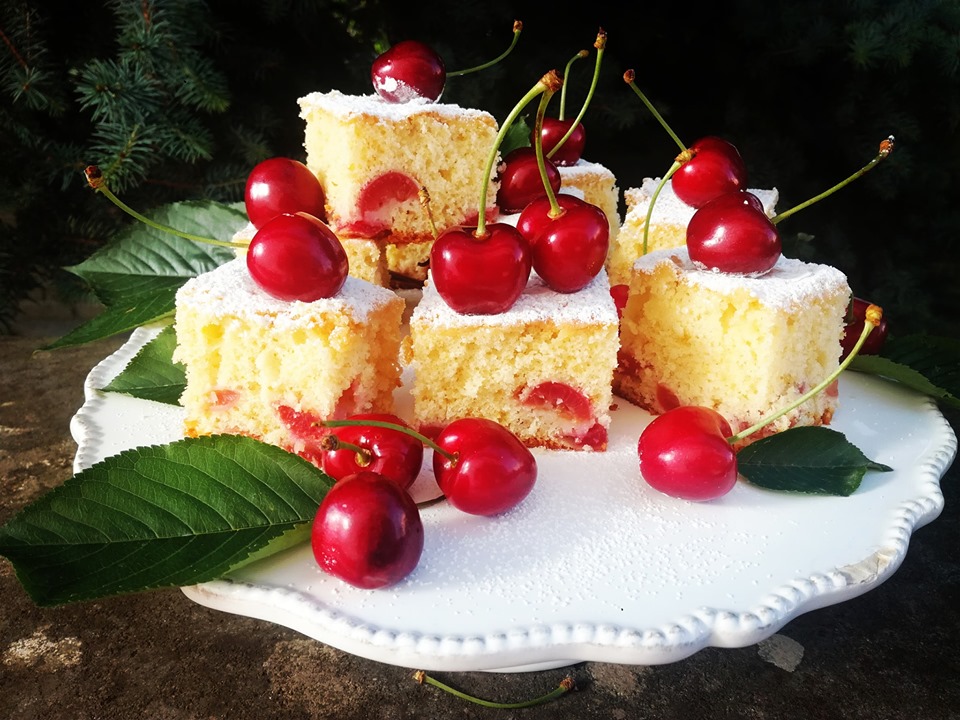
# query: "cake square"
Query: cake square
{"points": [[744, 346], [372, 158], [668, 225], [543, 369], [599, 187], [268, 368]]}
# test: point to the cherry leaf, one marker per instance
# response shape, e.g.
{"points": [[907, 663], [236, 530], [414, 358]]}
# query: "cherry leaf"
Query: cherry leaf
{"points": [[814, 460], [137, 275], [163, 516], [926, 363], [152, 374]]}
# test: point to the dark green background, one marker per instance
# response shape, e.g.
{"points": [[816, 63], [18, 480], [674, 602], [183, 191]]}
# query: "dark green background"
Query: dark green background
{"points": [[805, 90]]}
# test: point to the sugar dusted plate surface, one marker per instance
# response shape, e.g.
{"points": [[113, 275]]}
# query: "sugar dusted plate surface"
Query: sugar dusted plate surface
{"points": [[593, 565]]}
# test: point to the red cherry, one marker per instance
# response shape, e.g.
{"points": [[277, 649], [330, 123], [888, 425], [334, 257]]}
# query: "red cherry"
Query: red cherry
{"points": [[493, 470], [561, 398], [297, 257], [520, 182], [854, 326], [568, 251], [732, 235], [685, 453], [396, 455], [408, 71], [716, 168], [620, 294], [281, 185], [367, 531], [553, 131], [480, 276]]}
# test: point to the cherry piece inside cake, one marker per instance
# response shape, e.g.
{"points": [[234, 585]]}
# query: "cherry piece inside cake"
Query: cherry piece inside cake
{"points": [[372, 157], [744, 346], [543, 369], [270, 369], [668, 225]]}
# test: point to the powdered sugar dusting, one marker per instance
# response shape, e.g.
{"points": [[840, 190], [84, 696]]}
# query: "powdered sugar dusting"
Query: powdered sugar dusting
{"points": [[789, 283], [229, 290], [583, 167], [375, 106], [671, 209], [537, 303]]}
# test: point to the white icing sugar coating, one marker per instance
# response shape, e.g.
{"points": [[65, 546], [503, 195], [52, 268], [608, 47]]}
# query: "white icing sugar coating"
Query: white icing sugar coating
{"points": [[790, 282], [229, 290], [583, 167], [375, 106], [538, 303], [671, 209]]}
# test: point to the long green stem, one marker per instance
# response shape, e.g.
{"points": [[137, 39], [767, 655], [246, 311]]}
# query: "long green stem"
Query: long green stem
{"points": [[555, 209], [886, 147], [873, 319], [656, 193], [628, 78], [517, 29], [566, 83], [96, 181], [600, 44], [549, 81], [392, 426], [565, 686]]}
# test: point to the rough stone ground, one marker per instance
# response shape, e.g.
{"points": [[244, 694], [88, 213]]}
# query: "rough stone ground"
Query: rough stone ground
{"points": [[889, 654]]}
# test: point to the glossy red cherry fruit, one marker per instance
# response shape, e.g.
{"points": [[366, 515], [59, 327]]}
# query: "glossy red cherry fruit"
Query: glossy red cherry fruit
{"points": [[396, 455], [409, 70], [716, 168], [854, 327], [552, 133], [685, 453], [732, 234], [282, 185], [568, 251], [367, 531], [492, 471], [480, 276], [520, 181], [297, 257]]}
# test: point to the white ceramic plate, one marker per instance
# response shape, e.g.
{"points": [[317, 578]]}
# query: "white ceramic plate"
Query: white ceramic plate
{"points": [[593, 565]]}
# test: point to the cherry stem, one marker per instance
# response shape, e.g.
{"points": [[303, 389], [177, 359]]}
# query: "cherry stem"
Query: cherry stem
{"points": [[332, 442], [565, 686], [424, 196], [517, 28], [555, 209], [873, 316], [628, 78], [600, 44], [96, 180], [451, 457], [550, 81], [566, 74], [656, 193], [886, 147]]}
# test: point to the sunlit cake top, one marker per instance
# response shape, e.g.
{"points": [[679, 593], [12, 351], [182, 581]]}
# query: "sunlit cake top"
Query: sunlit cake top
{"points": [[789, 283], [538, 303], [229, 290], [373, 105]]}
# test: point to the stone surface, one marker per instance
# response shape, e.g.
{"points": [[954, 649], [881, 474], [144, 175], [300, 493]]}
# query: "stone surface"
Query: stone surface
{"points": [[890, 653]]}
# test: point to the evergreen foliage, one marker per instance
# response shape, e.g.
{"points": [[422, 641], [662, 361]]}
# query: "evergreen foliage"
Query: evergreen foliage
{"points": [[177, 99]]}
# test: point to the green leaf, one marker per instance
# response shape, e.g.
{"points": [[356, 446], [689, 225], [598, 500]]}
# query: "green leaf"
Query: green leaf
{"points": [[151, 306], [518, 135], [137, 275], [152, 374], [814, 460], [162, 516], [926, 363]]}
